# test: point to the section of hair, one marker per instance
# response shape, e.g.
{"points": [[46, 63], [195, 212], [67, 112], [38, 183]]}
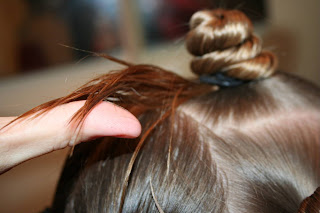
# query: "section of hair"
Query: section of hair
{"points": [[137, 87]]}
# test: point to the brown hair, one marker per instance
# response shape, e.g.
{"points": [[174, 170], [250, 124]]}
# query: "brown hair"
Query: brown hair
{"points": [[251, 148]]}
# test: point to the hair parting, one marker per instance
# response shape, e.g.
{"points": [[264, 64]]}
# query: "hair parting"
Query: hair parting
{"points": [[134, 156], [173, 109]]}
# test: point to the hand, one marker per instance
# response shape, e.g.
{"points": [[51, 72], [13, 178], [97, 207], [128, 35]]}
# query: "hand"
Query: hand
{"points": [[51, 131]]}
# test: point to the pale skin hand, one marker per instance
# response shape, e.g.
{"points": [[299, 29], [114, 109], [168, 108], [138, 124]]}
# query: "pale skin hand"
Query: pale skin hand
{"points": [[49, 132]]}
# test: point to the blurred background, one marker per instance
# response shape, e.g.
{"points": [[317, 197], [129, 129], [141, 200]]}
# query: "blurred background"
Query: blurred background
{"points": [[38, 60]]}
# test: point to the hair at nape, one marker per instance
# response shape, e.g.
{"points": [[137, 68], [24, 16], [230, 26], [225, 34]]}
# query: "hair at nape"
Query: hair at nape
{"points": [[253, 146]]}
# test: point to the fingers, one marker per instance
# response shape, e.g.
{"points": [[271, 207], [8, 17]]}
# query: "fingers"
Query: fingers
{"points": [[30, 138]]}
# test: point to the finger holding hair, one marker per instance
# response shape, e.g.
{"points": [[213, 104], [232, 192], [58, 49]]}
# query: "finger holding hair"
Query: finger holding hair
{"points": [[34, 136]]}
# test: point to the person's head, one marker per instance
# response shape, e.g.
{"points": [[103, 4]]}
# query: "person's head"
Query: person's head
{"points": [[247, 142]]}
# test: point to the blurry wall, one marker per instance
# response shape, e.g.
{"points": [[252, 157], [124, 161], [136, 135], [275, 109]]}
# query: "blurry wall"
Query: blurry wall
{"points": [[12, 14], [294, 31]]}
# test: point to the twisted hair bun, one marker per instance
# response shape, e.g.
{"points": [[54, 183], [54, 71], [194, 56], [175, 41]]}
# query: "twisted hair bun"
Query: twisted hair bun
{"points": [[223, 41], [311, 204]]}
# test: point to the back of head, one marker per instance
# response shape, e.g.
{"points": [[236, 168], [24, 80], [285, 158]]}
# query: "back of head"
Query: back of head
{"points": [[242, 139]]}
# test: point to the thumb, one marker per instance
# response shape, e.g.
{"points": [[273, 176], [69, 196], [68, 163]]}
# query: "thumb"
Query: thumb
{"points": [[108, 119], [30, 138]]}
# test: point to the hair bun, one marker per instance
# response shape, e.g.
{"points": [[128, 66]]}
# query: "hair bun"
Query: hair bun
{"points": [[223, 41], [311, 204]]}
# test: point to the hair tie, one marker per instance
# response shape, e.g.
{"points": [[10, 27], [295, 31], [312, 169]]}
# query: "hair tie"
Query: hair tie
{"points": [[221, 80]]}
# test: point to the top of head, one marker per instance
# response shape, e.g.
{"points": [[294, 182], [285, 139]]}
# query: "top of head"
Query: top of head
{"points": [[223, 41], [250, 149]]}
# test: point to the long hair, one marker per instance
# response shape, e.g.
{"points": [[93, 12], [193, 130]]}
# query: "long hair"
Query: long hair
{"points": [[203, 148]]}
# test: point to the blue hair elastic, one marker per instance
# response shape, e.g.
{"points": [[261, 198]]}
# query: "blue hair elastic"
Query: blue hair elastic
{"points": [[221, 80]]}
